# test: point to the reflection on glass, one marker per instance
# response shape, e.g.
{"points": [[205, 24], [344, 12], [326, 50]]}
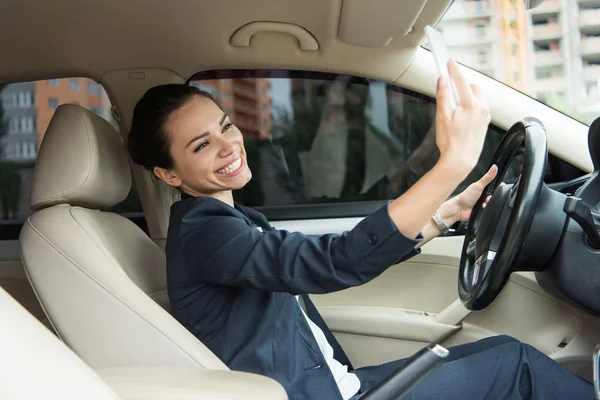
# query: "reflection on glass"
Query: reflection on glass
{"points": [[319, 138]]}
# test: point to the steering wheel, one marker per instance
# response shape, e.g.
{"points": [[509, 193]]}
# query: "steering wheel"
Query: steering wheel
{"points": [[495, 234]]}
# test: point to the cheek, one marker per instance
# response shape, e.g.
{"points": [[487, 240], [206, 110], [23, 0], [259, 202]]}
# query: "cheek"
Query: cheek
{"points": [[197, 166], [238, 137]]}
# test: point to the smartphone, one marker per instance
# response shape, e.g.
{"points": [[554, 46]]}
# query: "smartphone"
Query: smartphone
{"points": [[441, 57]]}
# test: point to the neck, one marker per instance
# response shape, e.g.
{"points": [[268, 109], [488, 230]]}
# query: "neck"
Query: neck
{"points": [[225, 196]]}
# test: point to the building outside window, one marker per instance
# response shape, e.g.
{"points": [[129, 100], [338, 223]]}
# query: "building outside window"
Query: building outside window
{"points": [[52, 103], [74, 85], [93, 89], [96, 110]]}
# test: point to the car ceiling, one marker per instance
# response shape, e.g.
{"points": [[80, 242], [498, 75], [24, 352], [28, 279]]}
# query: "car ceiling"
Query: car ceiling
{"points": [[110, 40], [60, 38]]}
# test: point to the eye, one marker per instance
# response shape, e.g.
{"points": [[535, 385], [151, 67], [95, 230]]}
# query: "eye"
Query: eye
{"points": [[227, 126], [200, 146]]}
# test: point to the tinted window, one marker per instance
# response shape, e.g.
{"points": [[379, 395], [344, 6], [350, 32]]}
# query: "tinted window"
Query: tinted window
{"points": [[319, 138]]}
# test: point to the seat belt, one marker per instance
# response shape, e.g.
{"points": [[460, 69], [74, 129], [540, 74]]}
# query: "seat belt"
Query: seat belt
{"points": [[311, 311]]}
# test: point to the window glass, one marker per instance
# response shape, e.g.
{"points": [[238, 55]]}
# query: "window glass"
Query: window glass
{"points": [[52, 103], [318, 138], [25, 113], [74, 85], [93, 88], [553, 48]]}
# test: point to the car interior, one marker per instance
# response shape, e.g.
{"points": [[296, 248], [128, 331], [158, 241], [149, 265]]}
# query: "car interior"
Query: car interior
{"points": [[84, 310]]}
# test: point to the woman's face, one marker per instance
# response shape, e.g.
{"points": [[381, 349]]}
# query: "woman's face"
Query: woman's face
{"points": [[207, 150]]}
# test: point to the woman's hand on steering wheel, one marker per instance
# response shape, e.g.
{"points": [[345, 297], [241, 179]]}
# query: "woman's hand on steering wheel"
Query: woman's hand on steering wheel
{"points": [[461, 206]]}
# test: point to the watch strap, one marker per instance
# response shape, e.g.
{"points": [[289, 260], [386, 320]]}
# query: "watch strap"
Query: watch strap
{"points": [[439, 221]]}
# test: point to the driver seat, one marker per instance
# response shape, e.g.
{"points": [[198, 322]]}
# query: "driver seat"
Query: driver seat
{"points": [[100, 279]]}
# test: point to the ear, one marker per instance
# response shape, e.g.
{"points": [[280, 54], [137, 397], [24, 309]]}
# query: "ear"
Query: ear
{"points": [[169, 176]]}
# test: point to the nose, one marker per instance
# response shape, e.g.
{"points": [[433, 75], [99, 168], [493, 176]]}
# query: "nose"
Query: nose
{"points": [[227, 147]]}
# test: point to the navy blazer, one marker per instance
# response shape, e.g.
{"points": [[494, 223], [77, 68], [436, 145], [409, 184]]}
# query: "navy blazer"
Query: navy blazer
{"points": [[232, 280]]}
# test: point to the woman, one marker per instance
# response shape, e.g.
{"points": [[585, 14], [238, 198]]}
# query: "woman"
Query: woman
{"points": [[240, 286]]}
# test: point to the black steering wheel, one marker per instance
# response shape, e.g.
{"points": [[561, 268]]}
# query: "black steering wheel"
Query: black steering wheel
{"points": [[495, 234]]}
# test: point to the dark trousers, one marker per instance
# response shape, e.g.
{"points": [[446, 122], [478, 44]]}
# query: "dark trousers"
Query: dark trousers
{"points": [[499, 367]]}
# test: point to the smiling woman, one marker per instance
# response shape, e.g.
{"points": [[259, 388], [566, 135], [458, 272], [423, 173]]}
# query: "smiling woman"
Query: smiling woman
{"points": [[241, 286], [205, 158]]}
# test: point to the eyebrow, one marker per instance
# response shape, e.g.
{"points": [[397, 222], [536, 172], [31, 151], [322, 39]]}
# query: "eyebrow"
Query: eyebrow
{"points": [[205, 134], [223, 118]]}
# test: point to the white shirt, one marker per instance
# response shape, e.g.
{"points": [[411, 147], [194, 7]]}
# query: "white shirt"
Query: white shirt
{"points": [[347, 382]]}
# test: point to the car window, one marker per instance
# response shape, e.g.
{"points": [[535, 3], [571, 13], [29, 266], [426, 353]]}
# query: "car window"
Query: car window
{"points": [[315, 139], [550, 52], [25, 112]]}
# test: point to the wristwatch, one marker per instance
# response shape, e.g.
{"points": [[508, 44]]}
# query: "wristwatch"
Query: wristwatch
{"points": [[439, 221]]}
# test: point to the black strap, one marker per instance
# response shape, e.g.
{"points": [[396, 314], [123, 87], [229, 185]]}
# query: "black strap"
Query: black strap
{"points": [[312, 313]]}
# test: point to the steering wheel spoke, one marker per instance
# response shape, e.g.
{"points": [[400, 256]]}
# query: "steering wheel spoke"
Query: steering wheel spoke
{"points": [[482, 266], [471, 247]]}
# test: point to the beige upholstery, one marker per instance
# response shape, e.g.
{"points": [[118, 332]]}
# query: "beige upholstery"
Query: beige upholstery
{"points": [[96, 273], [82, 162], [169, 383], [34, 364]]}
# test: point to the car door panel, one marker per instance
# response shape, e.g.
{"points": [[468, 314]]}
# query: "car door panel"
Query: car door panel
{"points": [[416, 302]]}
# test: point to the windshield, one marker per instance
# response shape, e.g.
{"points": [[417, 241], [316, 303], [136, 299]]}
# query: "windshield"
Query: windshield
{"points": [[551, 53]]}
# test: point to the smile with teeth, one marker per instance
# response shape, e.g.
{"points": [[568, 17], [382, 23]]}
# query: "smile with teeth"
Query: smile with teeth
{"points": [[234, 166]]}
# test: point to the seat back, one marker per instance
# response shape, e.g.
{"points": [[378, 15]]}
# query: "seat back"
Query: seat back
{"points": [[100, 279]]}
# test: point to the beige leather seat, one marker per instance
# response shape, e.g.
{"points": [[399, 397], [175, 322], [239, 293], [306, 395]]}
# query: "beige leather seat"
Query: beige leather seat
{"points": [[92, 270], [100, 279], [36, 365]]}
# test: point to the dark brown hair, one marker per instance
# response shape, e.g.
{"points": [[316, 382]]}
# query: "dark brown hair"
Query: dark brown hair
{"points": [[148, 141]]}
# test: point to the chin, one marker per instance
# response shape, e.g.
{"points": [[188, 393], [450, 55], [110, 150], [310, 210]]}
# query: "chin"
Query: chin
{"points": [[244, 180]]}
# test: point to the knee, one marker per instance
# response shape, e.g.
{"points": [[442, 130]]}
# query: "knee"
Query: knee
{"points": [[501, 339], [514, 350]]}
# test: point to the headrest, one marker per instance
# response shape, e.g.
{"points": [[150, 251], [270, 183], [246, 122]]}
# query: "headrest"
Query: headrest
{"points": [[82, 161]]}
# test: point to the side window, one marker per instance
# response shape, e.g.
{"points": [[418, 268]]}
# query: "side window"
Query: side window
{"points": [[26, 109], [314, 138]]}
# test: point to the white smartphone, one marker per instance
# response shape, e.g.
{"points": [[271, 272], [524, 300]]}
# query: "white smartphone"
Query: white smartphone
{"points": [[441, 57]]}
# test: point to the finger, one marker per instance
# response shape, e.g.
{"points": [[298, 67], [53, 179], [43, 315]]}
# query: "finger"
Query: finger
{"points": [[488, 177], [491, 174], [487, 199], [476, 91], [467, 98], [442, 98]]}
